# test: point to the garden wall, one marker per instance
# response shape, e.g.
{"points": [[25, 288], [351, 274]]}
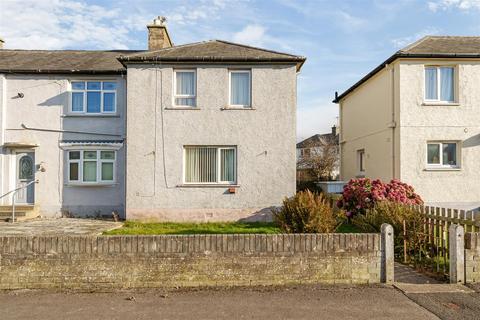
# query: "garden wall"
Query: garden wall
{"points": [[472, 257], [110, 262]]}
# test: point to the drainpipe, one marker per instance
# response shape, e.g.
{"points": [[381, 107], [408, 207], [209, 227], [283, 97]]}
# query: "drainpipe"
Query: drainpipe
{"points": [[392, 123]]}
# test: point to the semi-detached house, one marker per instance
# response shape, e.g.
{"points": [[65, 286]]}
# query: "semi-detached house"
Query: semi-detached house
{"points": [[416, 118], [202, 131]]}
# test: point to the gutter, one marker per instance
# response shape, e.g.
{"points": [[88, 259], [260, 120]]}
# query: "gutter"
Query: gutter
{"points": [[125, 60], [24, 127], [53, 71], [401, 54]]}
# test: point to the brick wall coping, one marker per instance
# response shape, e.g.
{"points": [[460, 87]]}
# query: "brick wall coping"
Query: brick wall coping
{"points": [[222, 243]]}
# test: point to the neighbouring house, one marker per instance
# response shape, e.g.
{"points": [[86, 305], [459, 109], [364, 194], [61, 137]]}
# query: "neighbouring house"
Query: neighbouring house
{"points": [[202, 131], [416, 118], [318, 154]]}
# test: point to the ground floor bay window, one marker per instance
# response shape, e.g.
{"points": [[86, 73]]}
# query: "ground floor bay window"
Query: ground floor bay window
{"points": [[91, 166], [210, 165]]}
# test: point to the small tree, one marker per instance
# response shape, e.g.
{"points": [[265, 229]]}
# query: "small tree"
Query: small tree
{"points": [[322, 159]]}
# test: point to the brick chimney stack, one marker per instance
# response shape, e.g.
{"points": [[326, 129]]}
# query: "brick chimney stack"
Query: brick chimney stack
{"points": [[158, 37]]}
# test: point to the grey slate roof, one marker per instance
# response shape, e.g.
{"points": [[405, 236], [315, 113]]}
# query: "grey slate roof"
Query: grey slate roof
{"points": [[61, 61], [317, 140], [214, 51], [447, 47], [107, 62]]}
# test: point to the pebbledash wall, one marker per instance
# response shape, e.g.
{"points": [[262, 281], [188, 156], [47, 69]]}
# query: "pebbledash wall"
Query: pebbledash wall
{"points": [[110, 262], [472, 257]]}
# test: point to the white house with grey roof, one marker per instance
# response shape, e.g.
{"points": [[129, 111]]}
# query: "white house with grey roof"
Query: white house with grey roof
{"points": [[202, 131], [416, 118]]}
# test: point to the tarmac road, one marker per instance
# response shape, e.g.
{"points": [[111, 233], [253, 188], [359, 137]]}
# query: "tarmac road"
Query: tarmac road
{"points": [[299, 302]]}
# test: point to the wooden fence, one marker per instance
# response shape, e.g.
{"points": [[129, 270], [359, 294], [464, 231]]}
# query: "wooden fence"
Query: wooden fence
{"points": [[425, 242]]}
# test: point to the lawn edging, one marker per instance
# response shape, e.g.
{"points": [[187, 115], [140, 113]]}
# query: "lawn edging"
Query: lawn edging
{"points": [[119, 262]]}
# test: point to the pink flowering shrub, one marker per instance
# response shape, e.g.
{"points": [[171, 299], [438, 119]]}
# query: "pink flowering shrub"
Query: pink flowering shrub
{"points": [[362, 194]]}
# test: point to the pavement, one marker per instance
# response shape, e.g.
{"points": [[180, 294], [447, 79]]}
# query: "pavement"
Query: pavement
{"points": [[446, 301], [57, 227], [290, 302]]}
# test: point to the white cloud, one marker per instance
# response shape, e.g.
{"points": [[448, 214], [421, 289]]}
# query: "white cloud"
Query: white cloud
{"points": [[458, 4], [404, 41], [251, 34], [257, 35], [59, 24], [316, 119]]}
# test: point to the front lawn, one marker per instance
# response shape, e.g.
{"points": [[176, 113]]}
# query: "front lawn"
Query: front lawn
{"points": [[139, 228], [149, 228]]}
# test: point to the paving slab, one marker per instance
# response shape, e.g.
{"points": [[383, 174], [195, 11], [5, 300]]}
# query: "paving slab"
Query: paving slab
{"points": [[57, 226]]}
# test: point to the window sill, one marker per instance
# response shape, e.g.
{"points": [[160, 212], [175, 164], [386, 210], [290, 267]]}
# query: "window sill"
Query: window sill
{"points": [[208, 185], [237, 108], [89, 185], [83, 115], [436, 104], [182, 108], [443, 169]]}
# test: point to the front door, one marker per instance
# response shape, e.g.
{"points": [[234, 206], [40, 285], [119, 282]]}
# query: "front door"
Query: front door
{"points": [[25, 175]]}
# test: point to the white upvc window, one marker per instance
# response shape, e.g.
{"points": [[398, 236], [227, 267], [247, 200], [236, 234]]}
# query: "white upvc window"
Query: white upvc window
{"points": [[442, 154], [361, 161], [210, 164], [185, 88], [91, 166], [93, 97], [440, 84], [240, 88]]}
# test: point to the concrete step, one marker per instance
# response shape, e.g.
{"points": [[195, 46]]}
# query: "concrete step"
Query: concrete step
{"points": [[22, 212]]}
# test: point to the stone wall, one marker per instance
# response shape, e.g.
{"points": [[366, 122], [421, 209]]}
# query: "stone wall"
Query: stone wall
{"points": [[111, 262], [472, 257]]}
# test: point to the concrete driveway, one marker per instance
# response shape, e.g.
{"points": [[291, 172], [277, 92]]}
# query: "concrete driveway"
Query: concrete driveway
{"points": [[57, 227]]}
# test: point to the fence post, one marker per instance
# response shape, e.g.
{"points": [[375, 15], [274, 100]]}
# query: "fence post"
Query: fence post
{"points": [[387, 263], [456, 239]]}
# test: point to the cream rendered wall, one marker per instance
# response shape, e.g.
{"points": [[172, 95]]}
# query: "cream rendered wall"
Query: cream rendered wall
{"points": [[366, 121], [44, 106], [265, 138], [421, 123]]}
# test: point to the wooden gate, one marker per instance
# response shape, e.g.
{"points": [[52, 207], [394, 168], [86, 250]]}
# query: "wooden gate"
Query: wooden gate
{"points": [[424, 243]]}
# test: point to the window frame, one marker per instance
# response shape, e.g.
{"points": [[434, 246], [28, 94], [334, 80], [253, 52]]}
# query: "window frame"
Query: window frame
{"points": [[85, 91], [438, 100], [99, 162], [184, 96], [218, 166], [240, 106], [440, 165]]}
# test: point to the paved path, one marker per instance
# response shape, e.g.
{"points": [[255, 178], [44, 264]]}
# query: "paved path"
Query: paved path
{"points": [[302, 302], [447, 301], [60, 227]]}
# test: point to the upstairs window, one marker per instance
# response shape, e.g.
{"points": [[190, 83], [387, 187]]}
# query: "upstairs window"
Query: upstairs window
{"points": [[439, 84], [210, 165], [91, 166], [442, 154], [240, 88], [94, 97], [185, 88]]}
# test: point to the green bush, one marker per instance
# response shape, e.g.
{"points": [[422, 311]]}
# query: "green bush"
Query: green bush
{"points": [[388, 212], [306, 212], [394, 214]]}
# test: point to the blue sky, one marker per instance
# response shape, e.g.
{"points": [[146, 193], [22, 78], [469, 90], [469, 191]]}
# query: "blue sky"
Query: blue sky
{"points": [[342, 40]]}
